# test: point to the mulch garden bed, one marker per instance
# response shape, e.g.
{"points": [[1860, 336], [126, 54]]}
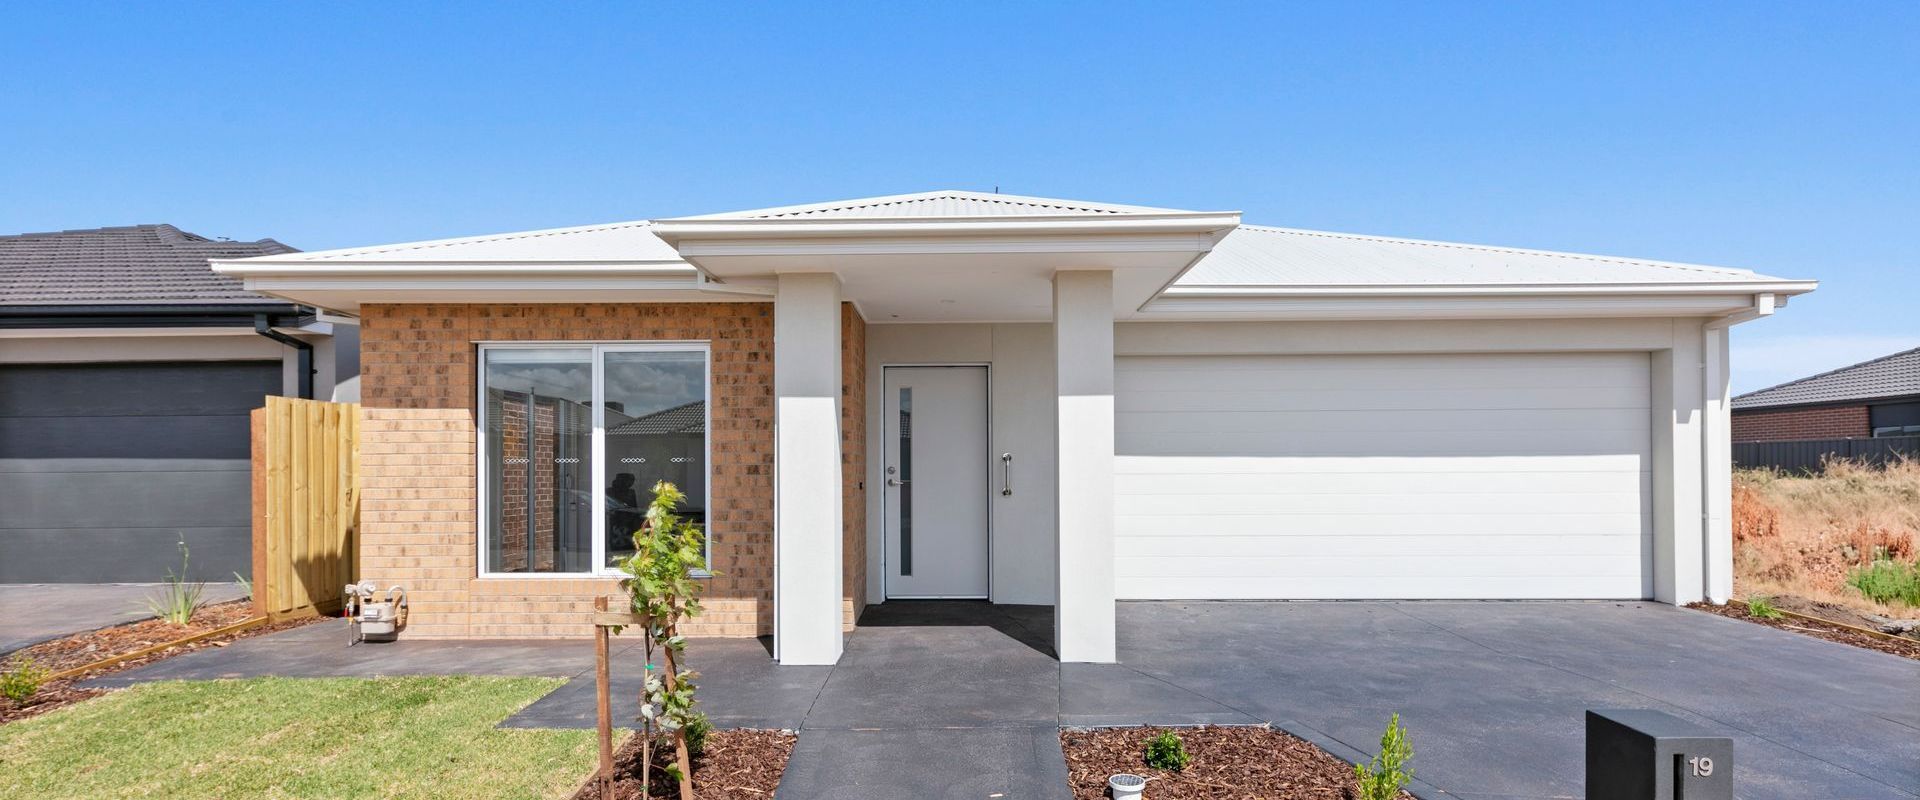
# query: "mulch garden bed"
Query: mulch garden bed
{"points": [[736, 765], [1899, 646], [1229, 763], [81, 649]]}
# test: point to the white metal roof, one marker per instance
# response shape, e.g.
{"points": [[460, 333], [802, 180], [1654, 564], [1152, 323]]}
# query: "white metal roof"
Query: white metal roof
{"points": [[1255, 255], [624, 242], [946, 203]]}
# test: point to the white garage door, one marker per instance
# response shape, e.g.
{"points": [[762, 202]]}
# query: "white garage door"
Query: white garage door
{"points": [[1390, 476]]}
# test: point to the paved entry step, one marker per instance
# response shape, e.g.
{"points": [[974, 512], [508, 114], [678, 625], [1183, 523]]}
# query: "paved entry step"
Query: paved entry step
{"points": [[1012, 763]]}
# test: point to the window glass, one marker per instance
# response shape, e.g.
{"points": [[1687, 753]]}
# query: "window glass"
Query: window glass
{"points": [[538, 464], [656, 424]]}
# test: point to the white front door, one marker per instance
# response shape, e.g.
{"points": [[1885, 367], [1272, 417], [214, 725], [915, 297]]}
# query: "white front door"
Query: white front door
{"points": [[935, 431]]}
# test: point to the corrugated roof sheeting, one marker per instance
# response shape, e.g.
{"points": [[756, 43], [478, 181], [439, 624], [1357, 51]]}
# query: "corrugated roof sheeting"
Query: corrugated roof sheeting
{"points": [[1254, 255], [942, 204], [627, 241], [125, 265], [1893, 375]]}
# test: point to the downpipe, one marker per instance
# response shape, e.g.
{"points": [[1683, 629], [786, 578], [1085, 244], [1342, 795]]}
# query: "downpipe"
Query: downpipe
{"points": [[303, 352]]}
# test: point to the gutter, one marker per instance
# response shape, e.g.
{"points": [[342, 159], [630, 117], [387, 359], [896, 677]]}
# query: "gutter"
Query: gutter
{"points": [[303, 352], [145, 315]]}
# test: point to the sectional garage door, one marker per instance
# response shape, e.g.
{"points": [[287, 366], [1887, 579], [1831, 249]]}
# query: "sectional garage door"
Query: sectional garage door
{"points": [[1384, 476], [105, 467]]}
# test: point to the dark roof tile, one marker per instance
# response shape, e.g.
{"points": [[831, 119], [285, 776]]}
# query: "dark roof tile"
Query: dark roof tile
{"points": [[1887, 376], [134, 264]]}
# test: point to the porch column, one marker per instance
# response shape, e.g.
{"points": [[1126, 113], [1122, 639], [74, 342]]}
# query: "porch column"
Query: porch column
{"points": [[806, 470], [1083, 501], [1718, 460]]}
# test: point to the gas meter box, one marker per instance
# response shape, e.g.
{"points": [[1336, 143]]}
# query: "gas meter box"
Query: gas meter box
{"points": [[1635, 754]]}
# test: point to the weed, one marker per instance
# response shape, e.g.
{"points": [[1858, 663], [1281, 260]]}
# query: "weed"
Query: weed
{"points": [[1388, 773], [1167, 752], [1888, 581], [245, 584], [21, 678], [1762, 608], [178, 599]]}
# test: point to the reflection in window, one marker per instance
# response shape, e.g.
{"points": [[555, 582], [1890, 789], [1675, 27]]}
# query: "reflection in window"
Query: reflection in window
{"points": [[656, 423], [538, 470]]}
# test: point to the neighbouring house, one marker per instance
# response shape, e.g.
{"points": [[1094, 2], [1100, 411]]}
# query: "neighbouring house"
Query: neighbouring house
{"points": [[1876, 398], [1026, 400], [127, 369]]}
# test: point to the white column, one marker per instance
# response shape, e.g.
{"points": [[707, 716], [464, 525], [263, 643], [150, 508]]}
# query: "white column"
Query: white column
{"points": [[1718, 463], [1083, 507], [806, 470], [1678, 515]]}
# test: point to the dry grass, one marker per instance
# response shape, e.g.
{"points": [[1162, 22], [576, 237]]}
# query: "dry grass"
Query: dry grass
{"points": [[1799, 535]]}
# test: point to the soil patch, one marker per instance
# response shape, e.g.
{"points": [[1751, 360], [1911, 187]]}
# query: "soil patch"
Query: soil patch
{"points": [[81, 649], [1899, 646], [1229, 763], [736, 765]]}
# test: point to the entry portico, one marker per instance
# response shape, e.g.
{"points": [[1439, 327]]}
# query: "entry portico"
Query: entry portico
{"points": [[946, 259], [1112, 402]]}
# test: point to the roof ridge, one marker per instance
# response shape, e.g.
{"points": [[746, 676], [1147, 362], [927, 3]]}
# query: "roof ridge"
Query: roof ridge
{"points": [[1490, 248], [1829, 373]]}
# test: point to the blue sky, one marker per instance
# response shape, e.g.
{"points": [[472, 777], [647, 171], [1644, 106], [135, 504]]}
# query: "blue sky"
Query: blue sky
{"points": [[1783, 138]]}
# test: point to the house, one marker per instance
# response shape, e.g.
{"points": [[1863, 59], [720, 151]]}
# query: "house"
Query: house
{"points": [[1873, 398], [1027, 400], [127, 369]]}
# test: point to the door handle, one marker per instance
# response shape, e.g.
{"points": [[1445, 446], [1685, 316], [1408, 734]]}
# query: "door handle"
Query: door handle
{"points": [[1006, 474], [897, 482]]}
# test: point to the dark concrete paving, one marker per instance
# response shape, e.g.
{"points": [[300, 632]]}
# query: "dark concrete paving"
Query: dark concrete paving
{"points": [[31, 613], [1493, 693], [964, 699], [320, 651]]}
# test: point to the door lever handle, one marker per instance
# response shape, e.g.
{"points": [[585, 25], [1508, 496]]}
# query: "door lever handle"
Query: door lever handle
{"points": [[897, 482], [1006, 474]]}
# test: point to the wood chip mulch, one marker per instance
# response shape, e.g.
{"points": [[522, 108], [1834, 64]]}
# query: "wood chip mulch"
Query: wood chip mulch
{"points": [[81, 649], [1899, 646], [1229, 763], [737, 765]]}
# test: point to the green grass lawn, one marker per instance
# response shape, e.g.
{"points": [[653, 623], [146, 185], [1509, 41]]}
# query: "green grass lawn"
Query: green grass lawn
{"points": [[419, 737]]}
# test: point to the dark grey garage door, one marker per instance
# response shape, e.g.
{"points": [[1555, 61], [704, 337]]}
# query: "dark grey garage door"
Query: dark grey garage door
{"points": [[105, 467]]}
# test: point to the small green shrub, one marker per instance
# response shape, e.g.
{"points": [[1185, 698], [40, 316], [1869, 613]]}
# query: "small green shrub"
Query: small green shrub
{"points": [[1167, 752], [698, 726], [178, 599], [21, 679], [1388, 773], [1888, 581], [1762, 608]]}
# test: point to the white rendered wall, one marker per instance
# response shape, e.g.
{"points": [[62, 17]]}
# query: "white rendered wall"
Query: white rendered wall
{"points": [[807, 511], [1083, 363]]}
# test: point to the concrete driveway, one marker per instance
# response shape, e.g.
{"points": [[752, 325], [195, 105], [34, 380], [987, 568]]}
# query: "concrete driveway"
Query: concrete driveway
{"points": [[1493, 693], [35, 612]]}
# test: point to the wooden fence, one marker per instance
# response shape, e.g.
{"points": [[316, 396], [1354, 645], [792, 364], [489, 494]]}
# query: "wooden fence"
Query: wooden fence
{"points": [[306, 505], [1807, 455]]}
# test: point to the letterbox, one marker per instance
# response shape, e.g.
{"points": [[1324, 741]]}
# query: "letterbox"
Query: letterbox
{"points": [[1636, 754]]}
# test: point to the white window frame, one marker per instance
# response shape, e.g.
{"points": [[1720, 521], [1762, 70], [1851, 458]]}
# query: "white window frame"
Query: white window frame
{"points": [[598, 351]]}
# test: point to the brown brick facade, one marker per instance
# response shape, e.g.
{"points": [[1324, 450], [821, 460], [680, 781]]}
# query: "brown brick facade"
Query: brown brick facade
{"points": [[1803, 422], [419, 514]]}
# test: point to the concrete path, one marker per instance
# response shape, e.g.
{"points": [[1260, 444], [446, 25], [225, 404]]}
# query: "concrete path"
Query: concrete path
{"points": [[31, 613], [964, 700]]}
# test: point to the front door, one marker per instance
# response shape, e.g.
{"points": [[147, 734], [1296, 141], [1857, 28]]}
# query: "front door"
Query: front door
{"points": [[935, 430]]}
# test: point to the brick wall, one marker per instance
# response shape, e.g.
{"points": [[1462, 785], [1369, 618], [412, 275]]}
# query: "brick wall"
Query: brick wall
{"points": [[1785, 424], [419, 519]]}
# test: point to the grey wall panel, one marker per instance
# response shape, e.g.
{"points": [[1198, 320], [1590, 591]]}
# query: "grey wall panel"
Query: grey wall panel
{"points": [[129, 499], [122, 555], [124, 437], [136, 389]]}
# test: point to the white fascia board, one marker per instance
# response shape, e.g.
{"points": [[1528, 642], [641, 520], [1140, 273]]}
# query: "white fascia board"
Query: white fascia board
{"points": [[1441, 307], [1181, 241], [251, 268], [1779, 288], [673, 231]]}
